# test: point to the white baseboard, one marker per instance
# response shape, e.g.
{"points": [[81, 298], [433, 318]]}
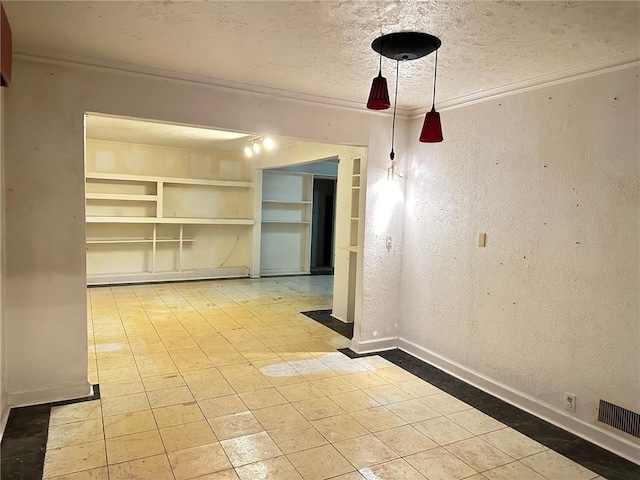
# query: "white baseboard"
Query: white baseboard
{"points": [[377, 345], [37, 397], [592, 433]]}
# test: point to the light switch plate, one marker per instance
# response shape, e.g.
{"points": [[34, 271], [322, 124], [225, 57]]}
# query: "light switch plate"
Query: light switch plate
{"points": [[482, 239]]}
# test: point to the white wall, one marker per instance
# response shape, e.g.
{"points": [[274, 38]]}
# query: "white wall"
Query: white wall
{"points": [[45, 312], [3, 392], [551, 305]]}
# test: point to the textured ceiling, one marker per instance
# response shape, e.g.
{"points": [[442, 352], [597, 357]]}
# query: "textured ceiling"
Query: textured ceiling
{"points": [[323, 48]]}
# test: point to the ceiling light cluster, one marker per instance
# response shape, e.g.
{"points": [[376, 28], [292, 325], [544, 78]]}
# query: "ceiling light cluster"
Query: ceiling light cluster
{"points": [[404, 46], [257, 145]]}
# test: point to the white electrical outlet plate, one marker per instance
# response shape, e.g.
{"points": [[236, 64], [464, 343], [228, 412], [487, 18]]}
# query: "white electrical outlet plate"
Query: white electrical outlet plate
{"points": [[570, 402]]}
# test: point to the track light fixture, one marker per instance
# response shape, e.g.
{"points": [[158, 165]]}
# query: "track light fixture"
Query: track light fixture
{"points": [[402, 47], [257, 144]]}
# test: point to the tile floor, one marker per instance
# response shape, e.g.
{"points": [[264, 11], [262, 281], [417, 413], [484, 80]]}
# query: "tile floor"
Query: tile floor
{"points": [[227, 380]]}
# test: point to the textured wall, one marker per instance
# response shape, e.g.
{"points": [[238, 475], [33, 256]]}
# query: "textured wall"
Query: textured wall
{"points": [[384, 216], [551, 304], [46, 307], [3, 393]]}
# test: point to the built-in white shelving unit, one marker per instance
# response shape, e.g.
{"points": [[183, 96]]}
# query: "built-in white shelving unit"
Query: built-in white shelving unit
{"points": [[285, 246], [149, 227]]}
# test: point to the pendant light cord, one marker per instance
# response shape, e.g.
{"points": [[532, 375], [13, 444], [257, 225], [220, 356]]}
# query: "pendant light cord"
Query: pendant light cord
{"points": [[392, 155], [435, 76]]}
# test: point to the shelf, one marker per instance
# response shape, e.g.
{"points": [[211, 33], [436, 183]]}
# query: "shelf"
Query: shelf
{"points": [[290, 202], [172, 220], [122, 197], [169, 180], [355, 188], [98, 241], [286, 222], [355, 219]]}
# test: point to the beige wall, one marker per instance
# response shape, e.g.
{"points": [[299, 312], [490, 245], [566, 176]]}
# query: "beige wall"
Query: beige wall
{"points": [[551, 304], [3, 392], [45, 107]]}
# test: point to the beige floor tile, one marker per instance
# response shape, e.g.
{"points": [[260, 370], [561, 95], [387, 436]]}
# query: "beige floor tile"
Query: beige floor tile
{"points": [[442, 430], [444, 403], [513, 443], [229, 474], [283, 377], [121, 405], [66, 434], [134, 446], [412, 411], [299, 391], [268, 397], [349, 476], [108, 390], [475, 421], [385, 394], [75, 412], [297, 437], [354, 401], [128, 423], [317, 408], [122, 375], [249, 383], [169, 396], [554, 466], [405, 440], [365, 451], [377, 419], [365, 379], [512, 471], [278, 468], [177, 414], [333, 385], [238, 370], [339, 427], [395, 374], [478, 454], [149, 468], [99, 473], [221, 406], [198, 461], [162, 382], [320, 463], [180, 437], [279, 416], [210, 374], [74, 458], [235, 425], [119, 361], [438, 464], [204, 390], [394, 470], [250, 448]]}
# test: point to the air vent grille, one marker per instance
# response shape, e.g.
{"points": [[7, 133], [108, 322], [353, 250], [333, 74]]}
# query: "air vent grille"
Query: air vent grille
{"points": [[620, 418]]}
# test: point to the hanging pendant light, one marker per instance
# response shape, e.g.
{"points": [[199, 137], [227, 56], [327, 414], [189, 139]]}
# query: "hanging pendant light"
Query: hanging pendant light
{"points": [[432, 128], [379, 94], [402, 47]]}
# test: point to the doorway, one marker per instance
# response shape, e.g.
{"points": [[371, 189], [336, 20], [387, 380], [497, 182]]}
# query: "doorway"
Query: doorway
{"points": [[322, 225]]}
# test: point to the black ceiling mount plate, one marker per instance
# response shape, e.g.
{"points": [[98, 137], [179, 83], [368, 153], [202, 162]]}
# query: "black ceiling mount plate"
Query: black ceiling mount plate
{"points": [[406, 45]]}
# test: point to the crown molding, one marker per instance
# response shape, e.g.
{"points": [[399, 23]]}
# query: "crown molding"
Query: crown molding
{"points": [[618, 62], [186, 78]]}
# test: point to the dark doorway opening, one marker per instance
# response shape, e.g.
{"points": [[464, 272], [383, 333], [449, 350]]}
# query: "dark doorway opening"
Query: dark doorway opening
{"points": [[322, 225]]}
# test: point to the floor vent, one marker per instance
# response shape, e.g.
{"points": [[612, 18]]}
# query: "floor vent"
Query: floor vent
{"points": [[620, 418]]}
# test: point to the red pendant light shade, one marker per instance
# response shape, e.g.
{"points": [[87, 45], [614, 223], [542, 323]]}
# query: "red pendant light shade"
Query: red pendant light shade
{"points": [[379, 95], [432, 128]]}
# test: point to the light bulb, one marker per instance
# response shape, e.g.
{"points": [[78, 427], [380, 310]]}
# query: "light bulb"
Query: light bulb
{"points": [[256, 148], [268, 143], [248, 152]]}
